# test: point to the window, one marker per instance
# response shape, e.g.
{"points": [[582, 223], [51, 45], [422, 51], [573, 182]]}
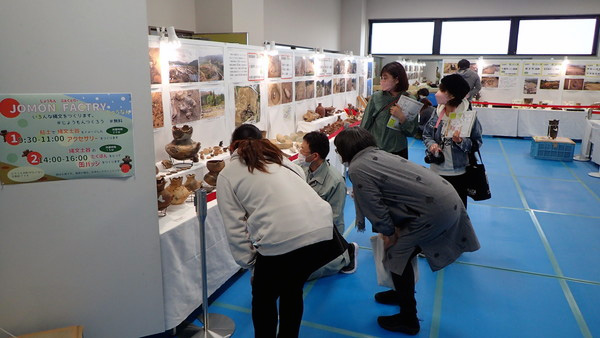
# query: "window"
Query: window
{"points": [[402, 37], [557, 36], [475, 37]]}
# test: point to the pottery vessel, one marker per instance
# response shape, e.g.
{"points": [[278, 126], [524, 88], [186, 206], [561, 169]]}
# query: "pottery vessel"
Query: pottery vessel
{"points": [[214, 167], [164, 197], [183, 147], [320, 110], [191, 183], [180, 193]]}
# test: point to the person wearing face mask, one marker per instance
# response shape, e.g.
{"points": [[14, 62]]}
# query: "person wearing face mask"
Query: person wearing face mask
{"points": [[413, 210], [330, 185], [394, 82], [451, 99]]}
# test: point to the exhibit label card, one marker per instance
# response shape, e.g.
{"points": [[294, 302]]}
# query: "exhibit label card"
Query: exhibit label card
{"points": [[592, 70], [287, 66], [509, 69], [532, 68], [51, 137], [238, 65], [552, 69], [256, 66]]}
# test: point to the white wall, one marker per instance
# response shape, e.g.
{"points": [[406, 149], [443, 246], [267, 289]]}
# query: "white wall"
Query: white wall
{"points": [[310, 23], [178, 13], [247, 17], [353, 26], [81, 252], [214, 16]]}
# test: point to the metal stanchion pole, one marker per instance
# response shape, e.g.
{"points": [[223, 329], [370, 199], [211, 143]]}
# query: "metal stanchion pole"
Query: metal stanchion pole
{"points": [[220, 325]]}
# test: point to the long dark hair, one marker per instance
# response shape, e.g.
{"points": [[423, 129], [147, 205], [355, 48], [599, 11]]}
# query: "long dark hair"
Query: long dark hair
{"points": [[397, 71], [255, 151]]}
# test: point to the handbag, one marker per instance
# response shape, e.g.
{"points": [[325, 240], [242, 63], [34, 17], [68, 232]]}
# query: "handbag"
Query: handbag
{"points": [[478, 187]]}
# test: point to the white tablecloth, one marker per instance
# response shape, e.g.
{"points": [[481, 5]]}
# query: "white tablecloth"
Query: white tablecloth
{"points": [[530, 122], [498, 121], [535, 122], [181, 265]]}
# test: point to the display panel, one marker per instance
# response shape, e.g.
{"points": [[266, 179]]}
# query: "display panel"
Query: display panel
{"points": [[557, 37], [475, 37], [402, 37]]}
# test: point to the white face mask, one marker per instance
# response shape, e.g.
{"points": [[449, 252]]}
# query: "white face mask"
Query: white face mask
{"points": [[441, 98], [422, 97], [339, 157], [302, 160]]}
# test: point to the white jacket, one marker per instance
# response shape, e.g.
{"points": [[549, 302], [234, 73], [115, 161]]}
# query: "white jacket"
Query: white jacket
{"points": [[274, 213]]}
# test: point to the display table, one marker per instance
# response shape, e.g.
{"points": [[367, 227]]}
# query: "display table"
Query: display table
{"points": [[498, 121], [595, 140], [181, 261], [530, 122], [535, 122]]}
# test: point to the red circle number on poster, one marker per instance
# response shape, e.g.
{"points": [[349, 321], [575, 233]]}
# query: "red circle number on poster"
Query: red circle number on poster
{"points": [[34, 158], [13, 138], [8, 108]]}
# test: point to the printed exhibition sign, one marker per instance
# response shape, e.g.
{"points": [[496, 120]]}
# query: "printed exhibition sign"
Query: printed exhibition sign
{"points": [[50, 137]]}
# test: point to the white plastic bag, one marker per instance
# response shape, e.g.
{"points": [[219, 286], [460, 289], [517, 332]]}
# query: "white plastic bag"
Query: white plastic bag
{"points": [[384, 276]]}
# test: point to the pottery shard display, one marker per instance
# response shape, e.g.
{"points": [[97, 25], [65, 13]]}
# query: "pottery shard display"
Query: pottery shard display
{"points": [[320, 110], [182, 147], [164, 197], [180, 193], [191, 183], [329, 111], [214, 167]]}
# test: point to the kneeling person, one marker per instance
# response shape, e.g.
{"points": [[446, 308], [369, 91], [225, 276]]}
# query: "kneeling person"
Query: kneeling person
{"points": [[330, 185]]}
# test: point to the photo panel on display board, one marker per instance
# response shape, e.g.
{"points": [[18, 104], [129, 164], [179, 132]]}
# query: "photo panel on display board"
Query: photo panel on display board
{"points": [[213, 101], [530, 86], [155, 69], [591, 85], [158, 115], [299, 66], [247, 104], [287, 92], [550, 83], [489, 81], [450, 67], [185, 106], [210, 64], [370, 70], [369, 87], [310, 89], [320, 88], [274, 66], [183, 65], [573, 84], [300, 90], [309, 66], [327, 87], [575, 69], [275, 93], [491, 69]]}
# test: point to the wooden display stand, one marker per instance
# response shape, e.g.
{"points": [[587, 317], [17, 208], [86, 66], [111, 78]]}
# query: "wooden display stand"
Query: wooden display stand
{"points": [[65, 332]]}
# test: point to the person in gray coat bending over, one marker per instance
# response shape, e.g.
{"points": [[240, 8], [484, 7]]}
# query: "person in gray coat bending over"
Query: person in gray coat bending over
{"points": [[414, 210]]}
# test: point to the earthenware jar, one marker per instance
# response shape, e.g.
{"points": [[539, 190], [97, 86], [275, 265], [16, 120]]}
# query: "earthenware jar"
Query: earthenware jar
{"points": [[182, 147], [164, 197], [191, 183], [320, 110], [214, 167], [180, 193]]}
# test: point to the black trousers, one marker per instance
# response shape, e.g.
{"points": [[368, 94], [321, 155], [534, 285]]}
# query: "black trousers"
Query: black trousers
{"points": [[405, 287], [282, 277], [460, 185]]}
